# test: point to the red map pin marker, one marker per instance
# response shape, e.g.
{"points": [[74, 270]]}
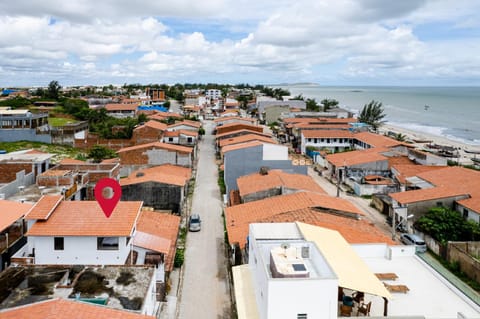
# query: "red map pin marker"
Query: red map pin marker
{"points": [[107, 200]]}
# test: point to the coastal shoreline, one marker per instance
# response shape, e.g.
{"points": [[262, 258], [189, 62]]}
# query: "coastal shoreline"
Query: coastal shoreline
{"points": [[422, 139]]}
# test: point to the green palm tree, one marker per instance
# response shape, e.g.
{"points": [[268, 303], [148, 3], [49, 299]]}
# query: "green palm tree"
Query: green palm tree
{"points": [[372, 114]]}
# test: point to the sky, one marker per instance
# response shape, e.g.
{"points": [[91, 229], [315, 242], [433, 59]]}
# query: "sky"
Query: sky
{"points": [[330, 42]]}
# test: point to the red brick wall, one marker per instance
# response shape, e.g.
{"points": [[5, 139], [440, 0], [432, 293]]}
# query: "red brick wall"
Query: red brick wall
{"points": [[55, 180], [8, 171], [93, 139], [133, 157], [145, 134]]}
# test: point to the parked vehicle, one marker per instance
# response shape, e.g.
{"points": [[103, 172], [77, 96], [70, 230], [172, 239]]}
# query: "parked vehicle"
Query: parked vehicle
{"points": [[194, 223], [411, 239]]}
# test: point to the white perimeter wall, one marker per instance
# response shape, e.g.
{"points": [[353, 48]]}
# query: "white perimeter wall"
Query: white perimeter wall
{"points": [[78, 250], [289, 297], [272, 152]]}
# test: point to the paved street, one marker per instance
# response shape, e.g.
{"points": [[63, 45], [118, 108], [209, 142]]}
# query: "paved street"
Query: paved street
{"points": [[204, 293]]}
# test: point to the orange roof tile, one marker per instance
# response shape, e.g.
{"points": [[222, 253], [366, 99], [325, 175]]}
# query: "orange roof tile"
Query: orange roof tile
{"points": [[355, 231], [151, 242], [161, 225], [228, 118], [44, 207], [172, 147], [110, 161], [11, 211], [426, 194], [410, 170], [256, 182], [121, 107], [448, 182], [244, 125], [196, 124], [239, 146], [356, 157], [34, 151], [376, 140], [166, 173], [244, 131], [153, 124], [238, 217], [327, 134], [56, 172], [86, 218], [67, 309], [320, 126], [246, 138], [399, 160]]}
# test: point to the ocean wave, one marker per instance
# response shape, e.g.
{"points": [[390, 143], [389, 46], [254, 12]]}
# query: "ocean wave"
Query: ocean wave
{"points": [[436, 131]]}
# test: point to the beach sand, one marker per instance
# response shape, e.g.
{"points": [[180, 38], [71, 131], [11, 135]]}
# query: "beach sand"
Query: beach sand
{"points": [[464, 158]]}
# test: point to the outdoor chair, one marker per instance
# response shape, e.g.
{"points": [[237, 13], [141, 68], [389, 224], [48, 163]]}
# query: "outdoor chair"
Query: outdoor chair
{"points": [[364, 308], [345, 311]]}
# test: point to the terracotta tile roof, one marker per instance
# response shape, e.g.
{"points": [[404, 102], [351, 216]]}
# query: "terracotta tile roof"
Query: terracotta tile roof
{"points": [[155, 145], [376, 140], [153, 124], [238, 217], [68, 161], [399, 160], [166, 173], [151, 242], [410, 170], [318, 120], [356, 157], [11, 211], [161, 225], [188, 133], [243, 125], [355, 231], [86, 218], [121, 107], [256, 182], [246, 138], [327, 134], [244, 131], [228, 118], [320, 126], [426, 194], [193, 124], [67, 309], [239, 146], [229, 112], [44, 207]]}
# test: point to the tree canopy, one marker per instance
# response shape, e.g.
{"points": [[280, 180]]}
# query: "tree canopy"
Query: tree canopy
{"points": [[444, 225], [312, 105], [53, 90], [99, 153], [372, 114], [329, 104]]}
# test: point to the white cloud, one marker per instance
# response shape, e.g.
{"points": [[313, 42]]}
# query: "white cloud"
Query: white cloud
{"points": [[124, 40]]}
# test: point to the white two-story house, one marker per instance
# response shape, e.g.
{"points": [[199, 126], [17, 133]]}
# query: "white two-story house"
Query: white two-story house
{"points": [[78, 232]]}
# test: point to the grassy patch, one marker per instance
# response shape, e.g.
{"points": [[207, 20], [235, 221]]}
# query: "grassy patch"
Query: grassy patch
{"points": [[61, 151], [60, 121], [221, 182]]}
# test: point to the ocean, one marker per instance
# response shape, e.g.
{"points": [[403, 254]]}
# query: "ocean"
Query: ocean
{"points": [[451, 112]]}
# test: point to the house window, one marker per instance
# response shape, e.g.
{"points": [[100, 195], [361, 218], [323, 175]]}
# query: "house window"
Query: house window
{"points": [[58, 243], [309, 139], [301, 316], [465, 213], [170, 139], [107, 243], [189, 140], [315, 140], [439, 204]]}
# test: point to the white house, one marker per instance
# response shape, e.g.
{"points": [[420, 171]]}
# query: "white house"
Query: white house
{"points": [[332, 140], [78, 232], [290, 274], [213, 94]]}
